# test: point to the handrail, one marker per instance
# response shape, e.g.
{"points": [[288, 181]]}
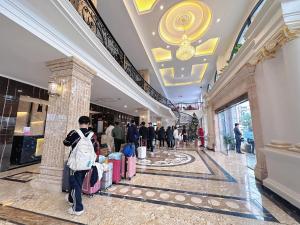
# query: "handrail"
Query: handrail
{"points": [[92, 18]]}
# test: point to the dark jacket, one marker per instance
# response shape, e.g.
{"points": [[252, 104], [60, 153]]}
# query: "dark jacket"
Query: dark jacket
{"points": [[151, 133], [132, 134], [237, 133], [169, 134], [73, 138], [161, 133], [143, 132]]}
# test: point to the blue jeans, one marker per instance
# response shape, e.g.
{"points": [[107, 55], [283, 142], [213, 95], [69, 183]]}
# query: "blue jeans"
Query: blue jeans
{"points": [[76, 180], [238, 143]]}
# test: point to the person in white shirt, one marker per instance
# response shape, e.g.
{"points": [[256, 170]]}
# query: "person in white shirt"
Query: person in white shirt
{"points": [[176, 136], [110, 139]]}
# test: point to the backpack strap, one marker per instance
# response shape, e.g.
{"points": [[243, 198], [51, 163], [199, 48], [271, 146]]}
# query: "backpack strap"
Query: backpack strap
{"points": [[90, 135]]}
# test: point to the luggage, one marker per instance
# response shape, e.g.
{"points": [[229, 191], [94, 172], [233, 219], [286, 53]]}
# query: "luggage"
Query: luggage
{"points": [[130, 167], [129, 150], [115, 156], [117, 166], [106, 180], [65, 178], [142, 150], [86, 186]]}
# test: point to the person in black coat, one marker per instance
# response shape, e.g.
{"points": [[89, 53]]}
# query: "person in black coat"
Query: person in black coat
{"points": [[143, 131], [161, 136], [169, 135], [151, 136]]}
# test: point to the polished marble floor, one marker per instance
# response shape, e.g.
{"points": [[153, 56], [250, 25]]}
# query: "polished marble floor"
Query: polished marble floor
{"points": [[184, 186]]}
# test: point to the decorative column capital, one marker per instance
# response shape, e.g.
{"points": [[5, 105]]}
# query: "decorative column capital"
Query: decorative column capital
{"points": [[284, 35]]}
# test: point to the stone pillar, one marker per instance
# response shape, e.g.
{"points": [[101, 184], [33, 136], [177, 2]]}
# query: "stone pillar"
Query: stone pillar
{"points": [[261, 166], [145, 116], [210, 126], [62, 117]]}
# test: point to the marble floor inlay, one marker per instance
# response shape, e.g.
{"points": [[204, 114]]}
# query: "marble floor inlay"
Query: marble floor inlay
{"points": [[228, 205], [166, 158], [216, 171], [211, 189]]}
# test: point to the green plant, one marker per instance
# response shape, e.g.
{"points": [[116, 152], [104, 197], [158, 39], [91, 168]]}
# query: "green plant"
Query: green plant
{"points": [[228, 140]]}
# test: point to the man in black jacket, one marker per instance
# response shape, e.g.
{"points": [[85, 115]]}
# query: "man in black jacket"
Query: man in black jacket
{"points": [[151, 136], [144, 133], [76, 177]]}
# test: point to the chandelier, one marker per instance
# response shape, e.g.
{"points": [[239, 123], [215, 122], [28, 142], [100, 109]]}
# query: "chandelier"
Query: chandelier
{"points": [[186, 51]]}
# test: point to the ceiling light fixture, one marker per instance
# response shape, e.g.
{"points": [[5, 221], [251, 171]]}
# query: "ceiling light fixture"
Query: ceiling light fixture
{"points": [[162, 65], [168, 46], [204, 59], [182, 68], [218, 20], [153, 33], [161, 7], [125, 106], [186, 51], [200, 41]]}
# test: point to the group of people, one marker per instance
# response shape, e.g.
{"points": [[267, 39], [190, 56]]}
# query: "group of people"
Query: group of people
{"points": [[171, 136]]}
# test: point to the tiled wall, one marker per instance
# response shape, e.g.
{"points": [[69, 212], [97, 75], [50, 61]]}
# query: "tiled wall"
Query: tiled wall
{"points": [[10, 91]]}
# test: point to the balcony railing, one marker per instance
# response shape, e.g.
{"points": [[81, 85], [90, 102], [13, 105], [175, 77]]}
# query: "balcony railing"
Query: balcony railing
{"points": [[91, 16]]}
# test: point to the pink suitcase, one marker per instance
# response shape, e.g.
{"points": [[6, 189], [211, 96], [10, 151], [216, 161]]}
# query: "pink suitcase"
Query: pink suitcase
{"points": [[86, 187], [123, 169], [131, 167], [117, 167]]}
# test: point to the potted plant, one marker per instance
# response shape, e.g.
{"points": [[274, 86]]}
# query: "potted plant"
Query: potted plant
{"points": [[228, 141]]}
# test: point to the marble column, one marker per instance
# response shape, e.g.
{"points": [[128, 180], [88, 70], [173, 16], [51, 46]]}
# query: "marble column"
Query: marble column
{"points": [[62, 117], [145, 116], [261, 166], [210, 126]]}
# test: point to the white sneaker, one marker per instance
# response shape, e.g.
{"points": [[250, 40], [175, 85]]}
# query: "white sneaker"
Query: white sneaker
{"points": [[72, 212], [67, 200]]}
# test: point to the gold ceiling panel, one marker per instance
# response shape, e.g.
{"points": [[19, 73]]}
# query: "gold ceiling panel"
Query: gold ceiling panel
{"points": [[189, 17], [197, 75], [207, 48], [144, 6], [161, 54]]}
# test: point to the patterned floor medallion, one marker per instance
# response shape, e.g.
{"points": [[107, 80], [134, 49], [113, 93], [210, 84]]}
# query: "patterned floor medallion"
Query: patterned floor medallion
{"points": [[166, 158]]}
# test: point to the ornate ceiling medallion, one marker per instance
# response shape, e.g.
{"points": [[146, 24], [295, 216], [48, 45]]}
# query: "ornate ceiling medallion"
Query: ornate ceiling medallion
{"points": [[190, 18], [144, 6]]}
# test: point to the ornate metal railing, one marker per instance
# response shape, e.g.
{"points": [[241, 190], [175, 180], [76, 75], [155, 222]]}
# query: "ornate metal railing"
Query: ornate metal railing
{"points": [[91, 16]]}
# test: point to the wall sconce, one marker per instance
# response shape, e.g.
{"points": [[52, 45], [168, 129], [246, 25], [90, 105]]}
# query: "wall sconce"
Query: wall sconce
{"points": [[54, 88]]}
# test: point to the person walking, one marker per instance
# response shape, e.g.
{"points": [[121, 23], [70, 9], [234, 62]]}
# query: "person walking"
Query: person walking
{"points": [[151, 136], [169, 135], [184, 135], [117, 134], [76, 138], [110, 139], [176, 137], [143, 131], [201, 135], [161, 136], [133, 135], [238, 138]]}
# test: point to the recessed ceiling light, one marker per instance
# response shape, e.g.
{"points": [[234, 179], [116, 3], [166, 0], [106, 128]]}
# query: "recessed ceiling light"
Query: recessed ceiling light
{"points": [[218, 20], [125, 106], [204, 59], [168, 46], [199, 41], [182, 68], [161, 7], [153, 33], [182, 75], [162, 65], [136, 110]]}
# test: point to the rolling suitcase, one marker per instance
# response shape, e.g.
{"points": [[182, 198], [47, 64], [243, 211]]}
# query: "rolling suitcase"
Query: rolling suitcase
{"points": [[106, 180], [86, 186], [65, 178], [118, 161], [142, 150], [130, 167]]}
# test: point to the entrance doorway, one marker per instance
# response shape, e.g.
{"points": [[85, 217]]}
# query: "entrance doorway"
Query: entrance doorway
{"points": [[227, 117]]}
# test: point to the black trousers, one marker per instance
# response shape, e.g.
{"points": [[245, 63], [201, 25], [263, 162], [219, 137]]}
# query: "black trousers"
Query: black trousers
{"points": [[162, 143], [150, 144], [118, 143]]}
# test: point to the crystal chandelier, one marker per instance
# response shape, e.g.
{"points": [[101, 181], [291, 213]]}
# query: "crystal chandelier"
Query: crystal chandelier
{"points": [[186, 51]]}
